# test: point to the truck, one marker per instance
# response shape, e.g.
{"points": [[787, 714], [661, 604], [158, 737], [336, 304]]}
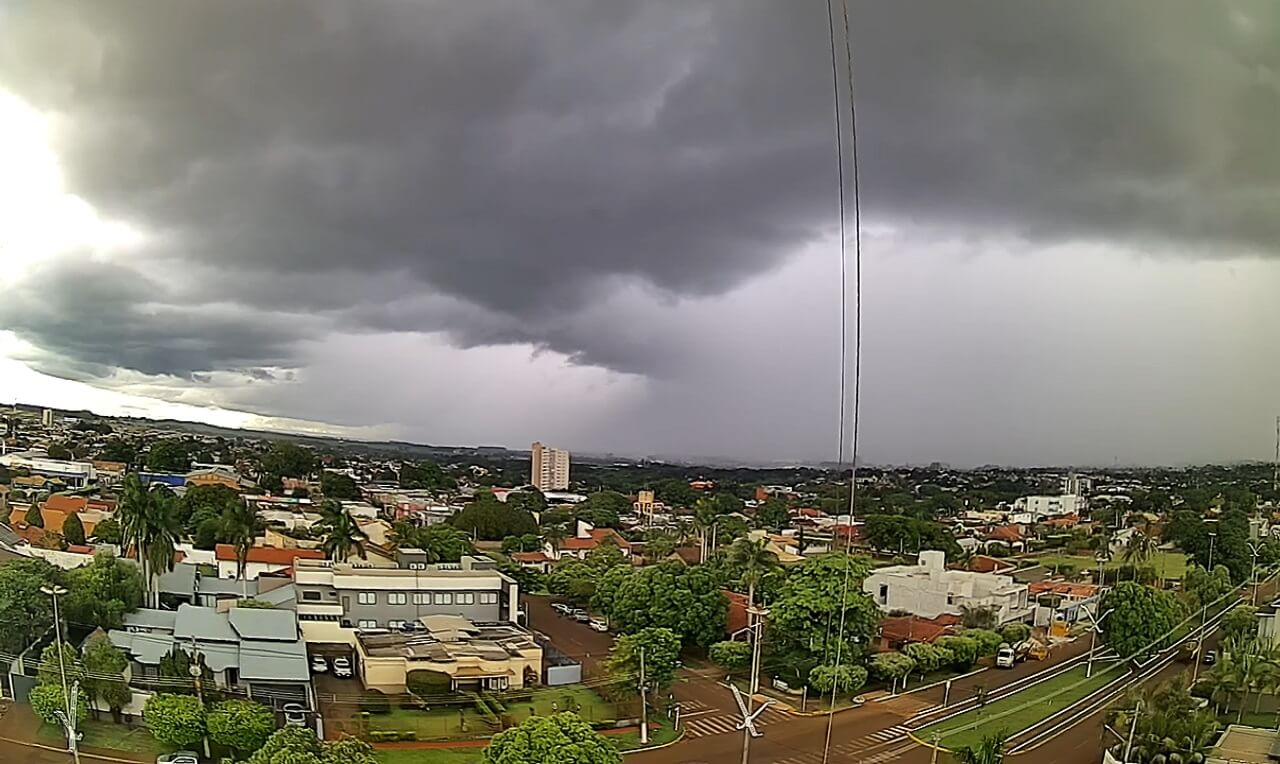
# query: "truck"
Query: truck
{"points": [[1006, 656]]}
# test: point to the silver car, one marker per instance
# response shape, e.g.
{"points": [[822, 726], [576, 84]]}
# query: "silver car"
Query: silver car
{"points": [[294, 714], [179, 757]]}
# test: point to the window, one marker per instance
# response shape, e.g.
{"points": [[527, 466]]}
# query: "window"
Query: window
{"points": [[367, 598], [311, 596], [466, 598], [444, 598], [884, 592], [394, 624], [951, 598], [422, 598], [488, 598], [397, 598], [417, 566], [367, 624]]}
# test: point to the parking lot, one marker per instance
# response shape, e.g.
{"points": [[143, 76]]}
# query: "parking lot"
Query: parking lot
{"points": [[577, 640]]}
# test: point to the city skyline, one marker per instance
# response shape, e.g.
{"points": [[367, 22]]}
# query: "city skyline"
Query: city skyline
{"points": [[615, 230]]}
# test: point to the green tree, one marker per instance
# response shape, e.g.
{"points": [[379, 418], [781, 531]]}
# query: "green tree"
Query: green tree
{"points": [[990, 750], [148, 525], [486, 518], [47, 700], [117, 450], [731, 654], [562, 738], [964, 651], [675, 493], [73, 529], [288, 460], [107, 531], [177, 721], [169, 456], [603, 509], [891, 667], [988, 641], [1200, 587], [60, 452], [240, 526], [753, 560], [442, 543], [336, 485], [102, 592], [685, 600], [528, 542], [35, 516], [841, 680], [1141, 548], [929, 658], [50, 668], [814, 600], [978, 617], [773, 514], [1239, 623], [1140, 616], [241, 725], [104, 666], [299, 745], [529, 498], [1013, 633], [423, 475], [661, 649], [27, 612], [340, 533]]}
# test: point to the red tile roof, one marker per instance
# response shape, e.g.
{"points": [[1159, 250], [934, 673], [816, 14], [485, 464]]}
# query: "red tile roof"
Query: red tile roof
{"points": [[1062, 587], [597, 536], [530, 557], [268, 555], [1066, 521], [1005, 533], [65, 504], [983, 564], [80, 548], [912, 628]]}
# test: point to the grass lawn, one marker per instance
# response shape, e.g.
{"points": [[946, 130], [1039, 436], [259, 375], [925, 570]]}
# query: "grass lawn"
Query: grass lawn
{"points": [[1018, 711], [664, 734], [107, 735], [1168, 564], [460, 721]]}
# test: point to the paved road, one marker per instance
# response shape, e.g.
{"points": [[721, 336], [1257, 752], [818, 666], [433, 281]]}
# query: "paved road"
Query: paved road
{"points": [[575, 639]]}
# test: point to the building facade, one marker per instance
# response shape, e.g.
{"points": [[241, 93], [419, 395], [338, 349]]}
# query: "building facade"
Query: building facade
{"points": [[368, 598], [549, 468], [927, 589]]}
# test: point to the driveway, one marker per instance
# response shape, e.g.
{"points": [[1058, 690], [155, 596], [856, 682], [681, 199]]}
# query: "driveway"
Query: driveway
{"points": [[576, 640]]}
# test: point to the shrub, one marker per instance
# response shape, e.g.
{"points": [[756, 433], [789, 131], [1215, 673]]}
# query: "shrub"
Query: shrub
{"points": [[988, 640], [843, 679], [175, 720], [374, 702], [429, 683], [47, 700], [1013, 633], [240, 724], [890, 666], [928, 658], [964, 651], [730, 654]]}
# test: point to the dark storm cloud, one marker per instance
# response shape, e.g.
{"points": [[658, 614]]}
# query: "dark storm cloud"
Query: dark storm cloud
{"points": [[494, 170]]}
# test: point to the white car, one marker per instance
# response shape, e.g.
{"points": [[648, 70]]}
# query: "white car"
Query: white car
{"points": [[342, 668], [561, 608], [179, 757], [318, 664], [599, 624], [294, 714]]}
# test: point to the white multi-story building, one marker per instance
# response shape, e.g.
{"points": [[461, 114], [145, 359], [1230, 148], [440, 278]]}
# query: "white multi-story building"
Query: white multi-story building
{"points": [[1040, 507], [1078, 485], [549, 468], [927, 589]]}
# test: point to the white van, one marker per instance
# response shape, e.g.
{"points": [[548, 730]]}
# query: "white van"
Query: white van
{"points": [[1004, 656]]}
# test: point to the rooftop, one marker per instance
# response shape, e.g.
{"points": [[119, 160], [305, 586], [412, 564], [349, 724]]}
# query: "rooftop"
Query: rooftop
{"points": [[268, 555], [449, 637]]}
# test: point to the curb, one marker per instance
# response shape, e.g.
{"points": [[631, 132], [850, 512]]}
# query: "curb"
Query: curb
{"points": [[83, 754]]}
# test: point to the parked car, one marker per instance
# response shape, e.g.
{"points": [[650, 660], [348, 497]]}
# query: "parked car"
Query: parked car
{"points": [[179, 757], [1005, 656], [318, 664], [342, 668], [561, 608], [580, 615], [599, 624], [294, 714]]}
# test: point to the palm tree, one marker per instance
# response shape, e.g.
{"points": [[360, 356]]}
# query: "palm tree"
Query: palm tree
{"points": [[342, 535], [554, 534], [753, 558], [704, 517], [240, 526], [1140, 549], [148, 526], [989, 751]]}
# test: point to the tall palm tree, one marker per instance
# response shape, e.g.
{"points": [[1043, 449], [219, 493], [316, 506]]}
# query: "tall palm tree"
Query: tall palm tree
{"points": [[240, 527], [148, 526], [1140, 549], [342, 535], [753, 559], [705, 514], [990, 750], [554, 534]]}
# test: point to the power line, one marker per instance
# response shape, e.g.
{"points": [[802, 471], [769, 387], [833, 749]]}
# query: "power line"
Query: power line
{"points": [[857, 311]]}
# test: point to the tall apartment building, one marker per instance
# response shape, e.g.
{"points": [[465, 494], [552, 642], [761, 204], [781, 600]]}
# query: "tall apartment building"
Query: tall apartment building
{"points": [[549, 468]]}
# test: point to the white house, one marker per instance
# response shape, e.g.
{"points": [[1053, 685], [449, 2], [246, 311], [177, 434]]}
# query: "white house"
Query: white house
{"points": [[927, 589], [1041, 507]]}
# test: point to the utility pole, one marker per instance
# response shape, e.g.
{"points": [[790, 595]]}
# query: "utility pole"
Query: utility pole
{"points": [[1255, 549], [753, 686], [644, 704], [70, 719], [1204, 614], [197, 674], [1128, 746], [1095, 627], [933, 757]]}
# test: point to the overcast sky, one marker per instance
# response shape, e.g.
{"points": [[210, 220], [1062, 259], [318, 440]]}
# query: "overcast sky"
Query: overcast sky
{"points": [[613, 226]]}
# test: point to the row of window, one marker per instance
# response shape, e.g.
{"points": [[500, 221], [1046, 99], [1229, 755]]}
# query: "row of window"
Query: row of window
{"points": [[429, 598]]}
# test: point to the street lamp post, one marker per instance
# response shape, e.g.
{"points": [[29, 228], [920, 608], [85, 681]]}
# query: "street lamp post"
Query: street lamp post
{"points": [[69, 718], [1204, 615], [1255, 549]]}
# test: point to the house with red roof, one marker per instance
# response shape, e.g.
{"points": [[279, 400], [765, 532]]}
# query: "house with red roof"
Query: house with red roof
{"points": [[896, 631], [261, 559], [585, 540], [540, 561]]}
